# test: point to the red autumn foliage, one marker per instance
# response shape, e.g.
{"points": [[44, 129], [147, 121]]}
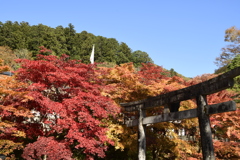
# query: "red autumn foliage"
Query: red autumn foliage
{"points": [[70, 111], [48, 147], [69, 104], [151, 72], [43, 50]]}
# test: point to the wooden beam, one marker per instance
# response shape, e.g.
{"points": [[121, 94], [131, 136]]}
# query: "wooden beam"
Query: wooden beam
{"points": [[213, 85], [205, 88], [192, 113], [221, 107]]}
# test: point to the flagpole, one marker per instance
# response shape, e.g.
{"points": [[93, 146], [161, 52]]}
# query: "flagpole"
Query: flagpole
{"points": [[92, 55]]}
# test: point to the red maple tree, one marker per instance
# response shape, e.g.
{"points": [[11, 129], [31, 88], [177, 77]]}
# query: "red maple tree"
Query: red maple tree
{"points": [[68, 107]]}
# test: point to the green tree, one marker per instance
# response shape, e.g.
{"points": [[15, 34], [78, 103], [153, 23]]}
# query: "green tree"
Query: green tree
{"points": [[173, 72], [70, 36], [36, 39], [6, 31], [234, 64], [121, 58], [14, 34], [25, 28], [232, 35], [83, 46], [124, 54], [140, 57], [61, 38], [42, 35], [105, 49]]}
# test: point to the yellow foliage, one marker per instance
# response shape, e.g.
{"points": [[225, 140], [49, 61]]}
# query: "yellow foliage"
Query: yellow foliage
{"points": [[5, 124], [8, 146], [129, 139], [3, 68], [124, 84], [113, 133], [8, 56], [19, 134]]}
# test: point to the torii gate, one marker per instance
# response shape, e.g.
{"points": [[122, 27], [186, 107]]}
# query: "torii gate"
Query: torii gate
{"points": [[168, 100]]}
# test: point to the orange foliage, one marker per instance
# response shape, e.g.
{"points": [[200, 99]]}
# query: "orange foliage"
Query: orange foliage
{"points": [[11, 109], [125, 84]]}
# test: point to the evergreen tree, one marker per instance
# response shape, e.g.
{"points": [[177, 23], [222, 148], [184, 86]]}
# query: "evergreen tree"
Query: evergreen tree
{"points": [[70, 36], [105, 49], [124, 54], [141, 57], [61, 38], [83, 46]]}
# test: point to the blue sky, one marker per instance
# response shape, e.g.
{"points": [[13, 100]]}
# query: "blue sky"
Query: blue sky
{"points": [[186, 35]]}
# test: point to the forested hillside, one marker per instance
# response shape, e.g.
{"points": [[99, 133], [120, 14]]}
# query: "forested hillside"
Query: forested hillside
{"points": [[22, 37]]}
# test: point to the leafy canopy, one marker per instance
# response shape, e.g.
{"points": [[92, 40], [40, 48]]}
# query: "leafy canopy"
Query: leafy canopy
{"points": [[68, 100]]}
